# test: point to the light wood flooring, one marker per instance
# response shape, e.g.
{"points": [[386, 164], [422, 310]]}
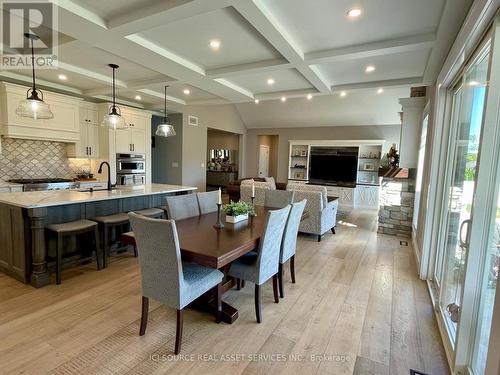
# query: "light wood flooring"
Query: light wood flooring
{"points": [[357, 308]]}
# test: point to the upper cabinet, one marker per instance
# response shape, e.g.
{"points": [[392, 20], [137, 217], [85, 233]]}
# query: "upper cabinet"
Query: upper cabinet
{"points": [[64, 127], [88, 144]]}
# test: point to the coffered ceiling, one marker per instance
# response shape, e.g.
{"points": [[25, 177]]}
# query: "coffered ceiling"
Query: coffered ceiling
{"points": [[267, 48]]}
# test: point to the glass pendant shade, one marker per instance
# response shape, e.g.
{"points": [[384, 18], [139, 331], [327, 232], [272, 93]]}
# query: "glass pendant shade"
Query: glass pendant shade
{"points": [[165, 129], [34, 107], [114, 120]]}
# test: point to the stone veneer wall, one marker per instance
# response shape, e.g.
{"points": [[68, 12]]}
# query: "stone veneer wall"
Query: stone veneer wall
{"points": [[23, 158], [395, 213]]}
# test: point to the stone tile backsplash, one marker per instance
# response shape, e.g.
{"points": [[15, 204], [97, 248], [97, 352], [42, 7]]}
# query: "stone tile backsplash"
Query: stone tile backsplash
{"points": [[24, 158]]}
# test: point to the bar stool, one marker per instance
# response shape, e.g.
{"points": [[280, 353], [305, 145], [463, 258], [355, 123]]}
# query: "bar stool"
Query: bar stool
{"points": [[73, 228], [106, 224], [153, 213]]}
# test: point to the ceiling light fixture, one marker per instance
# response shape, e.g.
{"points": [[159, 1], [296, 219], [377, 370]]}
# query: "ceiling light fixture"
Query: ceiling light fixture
{"points": [[309, 96], [138, 97], [165, 129], [354, 12], [380, 90], [256, 101], [270, 81], [114, 119], [214, 44], [62, 77], [370, 68], [186, 92], [473, 83], [343, 94], [33, 106], [283, 99]]}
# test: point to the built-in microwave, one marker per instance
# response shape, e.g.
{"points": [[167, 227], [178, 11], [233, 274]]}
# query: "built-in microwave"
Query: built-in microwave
{"points": [[130, 163]]}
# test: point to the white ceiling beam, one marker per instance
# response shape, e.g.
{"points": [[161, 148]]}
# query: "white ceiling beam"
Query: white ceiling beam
{"points": [[379, 84], [288, 94], [234, 87], [240, 69], [102, 78], [156, 94], [162, 13], [75, 8], [411, 43], [131, 85], [257, 14], [119, 101], [21, 78]]}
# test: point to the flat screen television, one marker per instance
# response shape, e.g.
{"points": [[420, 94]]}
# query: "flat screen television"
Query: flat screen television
{"points": [[333, 165]]}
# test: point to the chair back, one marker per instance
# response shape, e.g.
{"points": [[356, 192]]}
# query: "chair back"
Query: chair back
{"points": [[308, 187], [270, 244], [289, 242], [207, 201], [159, 258], [278, 198], [182, 206]]}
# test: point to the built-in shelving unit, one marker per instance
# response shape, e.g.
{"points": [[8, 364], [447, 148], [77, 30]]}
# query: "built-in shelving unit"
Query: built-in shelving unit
{"points": [[368, 163], [298, 164]]}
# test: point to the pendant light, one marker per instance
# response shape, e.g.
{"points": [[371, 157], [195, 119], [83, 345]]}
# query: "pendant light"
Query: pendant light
{"points": [[34, 106], [165, 129], [114, 119]]}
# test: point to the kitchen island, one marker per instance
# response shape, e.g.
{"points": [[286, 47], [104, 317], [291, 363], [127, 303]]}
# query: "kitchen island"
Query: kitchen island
{"points": [[25, 215]]}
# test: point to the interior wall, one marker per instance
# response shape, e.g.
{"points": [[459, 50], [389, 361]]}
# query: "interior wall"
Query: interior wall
{"points": [[167, 152], [389, 133], [217, 139], [272, 141], [194, 140]]}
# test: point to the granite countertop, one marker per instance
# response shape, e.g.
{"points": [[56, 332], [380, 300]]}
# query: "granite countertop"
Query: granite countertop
{"points": [[35, 199], [6, 184]]}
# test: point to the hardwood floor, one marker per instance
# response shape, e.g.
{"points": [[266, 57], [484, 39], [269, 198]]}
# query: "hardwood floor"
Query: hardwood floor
{"points": [[357, 308]]}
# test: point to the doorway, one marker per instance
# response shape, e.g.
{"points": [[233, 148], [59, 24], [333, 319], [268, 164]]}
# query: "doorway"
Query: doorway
{"points": [[263, 161], [267, 163]]}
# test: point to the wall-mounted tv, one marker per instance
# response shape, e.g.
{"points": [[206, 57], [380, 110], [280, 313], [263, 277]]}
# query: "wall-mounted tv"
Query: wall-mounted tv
{"points": [[333, 165]]}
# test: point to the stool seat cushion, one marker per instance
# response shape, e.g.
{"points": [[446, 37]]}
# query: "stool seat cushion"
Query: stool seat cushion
{"points": [[72, 226], [150, 212], [112, 219]]}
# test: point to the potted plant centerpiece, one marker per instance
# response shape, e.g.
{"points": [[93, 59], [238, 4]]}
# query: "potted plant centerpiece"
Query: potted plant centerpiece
{"points": [[237, 211]]}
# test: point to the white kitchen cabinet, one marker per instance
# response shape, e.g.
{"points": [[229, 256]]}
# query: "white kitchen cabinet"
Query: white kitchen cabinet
{"points": [[64, 127], [88, 144], [367, 196], [123, 141], [138, 140]]}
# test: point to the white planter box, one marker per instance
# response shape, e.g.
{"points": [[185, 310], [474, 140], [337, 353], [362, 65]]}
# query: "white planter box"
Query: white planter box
{"points": [[236, 219]]}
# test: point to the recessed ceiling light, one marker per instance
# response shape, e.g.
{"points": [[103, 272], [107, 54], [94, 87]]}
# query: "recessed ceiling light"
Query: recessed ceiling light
{"points": [[473, 83], [62, 77], [343, 93], [283, 99], [270, 81], [354, 12], [380, 90], [256, 101], [186, 92], [370, 68], [309, 96], [214, 44], [138, 97]]}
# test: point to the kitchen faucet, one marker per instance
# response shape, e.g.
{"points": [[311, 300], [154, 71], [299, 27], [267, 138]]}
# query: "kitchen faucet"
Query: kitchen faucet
{"points": [[109, 173]]}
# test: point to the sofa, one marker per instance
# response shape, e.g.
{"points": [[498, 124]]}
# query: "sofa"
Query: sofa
{"points": [[233, 189], [322, 215]]}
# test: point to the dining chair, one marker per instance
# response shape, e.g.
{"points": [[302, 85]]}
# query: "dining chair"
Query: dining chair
{"points": [[182, 206], [165, 277], [278, 198], [289, 242], [258, 267], [207, 201]]}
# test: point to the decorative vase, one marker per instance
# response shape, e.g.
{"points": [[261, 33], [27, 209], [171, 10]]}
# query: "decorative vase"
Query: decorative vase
{"points": [[236, 219]]}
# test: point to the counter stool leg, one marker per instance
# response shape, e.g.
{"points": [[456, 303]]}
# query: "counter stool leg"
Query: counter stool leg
{"points": [[59, 247], [97, 247], [106, 247]]}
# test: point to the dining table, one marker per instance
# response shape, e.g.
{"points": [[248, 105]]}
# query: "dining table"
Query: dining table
{"points": [[200, 241]]}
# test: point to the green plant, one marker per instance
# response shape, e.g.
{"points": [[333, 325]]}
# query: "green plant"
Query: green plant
{"points": [[238, 208]]}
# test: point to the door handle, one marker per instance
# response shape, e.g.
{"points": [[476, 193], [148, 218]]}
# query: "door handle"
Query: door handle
{"points": [[86, 150], [90, 150], [463, 243]]}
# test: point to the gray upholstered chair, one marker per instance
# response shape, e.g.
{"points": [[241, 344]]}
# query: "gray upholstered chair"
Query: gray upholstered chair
{"points": [[258, 267], [164, 276], [322, 215], [289, 243], [207, 201], [182, 206], [278, 198], [260, 191]]}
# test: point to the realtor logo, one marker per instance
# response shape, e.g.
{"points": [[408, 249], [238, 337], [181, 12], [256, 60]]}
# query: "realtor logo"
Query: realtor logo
{"points": [[38, 17]]}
